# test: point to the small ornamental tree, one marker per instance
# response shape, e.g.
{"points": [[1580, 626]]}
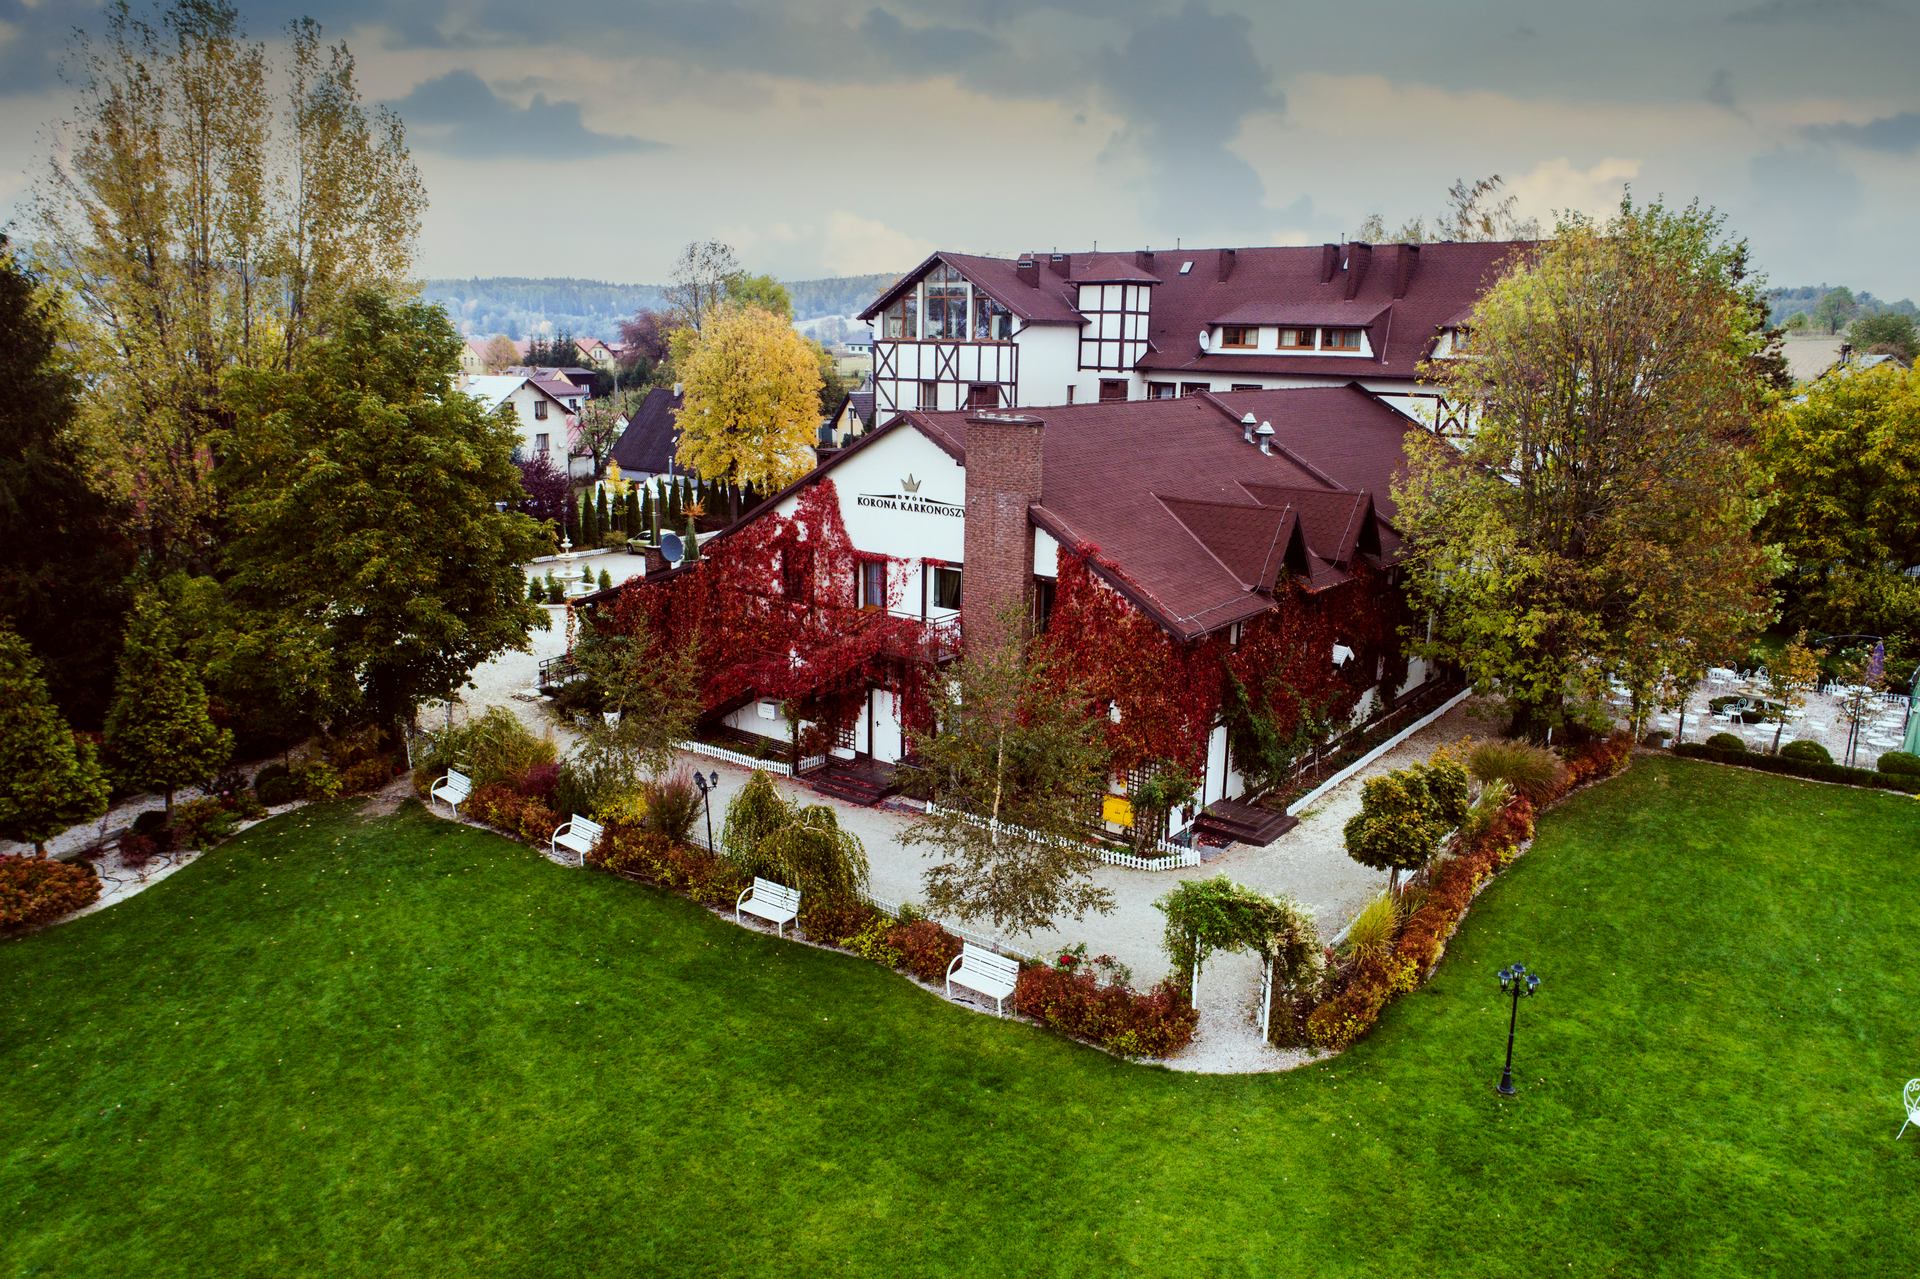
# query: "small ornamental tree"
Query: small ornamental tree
{"points": [[636, 524], [1404, 815], [755, 813], [49, 780], [693, 539], [602, 515], [650, 688], [810, 852], [649, 527], [546, 489], [159, 732], [1792, 676], [1017, 764]]}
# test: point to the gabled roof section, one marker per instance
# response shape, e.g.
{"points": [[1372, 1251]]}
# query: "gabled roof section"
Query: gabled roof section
{"points": [[1339, 525], [1048, 299], [647, 445], [1253, 542]]}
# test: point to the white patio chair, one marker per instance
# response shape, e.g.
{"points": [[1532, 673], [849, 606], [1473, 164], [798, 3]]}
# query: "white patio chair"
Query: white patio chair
{"points": [[1911, 1100]]}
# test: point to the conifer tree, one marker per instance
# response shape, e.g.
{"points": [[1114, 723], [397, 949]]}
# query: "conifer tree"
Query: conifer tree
{"points": [[673, 500], [49, 780], [648, 528], [693, 541], [602, 516], [590, 518], [635, 524], [159, 731], [573, 522]]}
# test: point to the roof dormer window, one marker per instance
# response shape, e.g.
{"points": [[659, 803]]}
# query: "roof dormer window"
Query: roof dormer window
{"points": [[1296, 339], [1340, 340], [1239, 337]]}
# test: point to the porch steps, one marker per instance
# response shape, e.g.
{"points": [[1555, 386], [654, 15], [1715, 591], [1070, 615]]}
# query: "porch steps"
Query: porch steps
{"points": [[865, 785], [1229, 820]]}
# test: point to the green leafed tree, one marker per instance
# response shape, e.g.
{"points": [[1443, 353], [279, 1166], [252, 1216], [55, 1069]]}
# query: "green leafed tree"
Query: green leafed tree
{"points": [[49, 780], [1404, 815], [651, 690], [63, 557], [365, 509], [1017, 766], [160, 730], [1845, 465], [1599, 521], [1885, 332]]}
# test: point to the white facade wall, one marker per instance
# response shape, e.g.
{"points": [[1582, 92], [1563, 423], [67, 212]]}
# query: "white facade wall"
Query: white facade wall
{"points": [[554, 427]]}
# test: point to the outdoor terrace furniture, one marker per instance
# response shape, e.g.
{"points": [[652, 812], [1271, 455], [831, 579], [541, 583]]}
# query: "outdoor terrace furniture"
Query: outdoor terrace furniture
{"points": [[982, 970], [576, 835], [775, 903], [1911, 1100], [453, 789]]}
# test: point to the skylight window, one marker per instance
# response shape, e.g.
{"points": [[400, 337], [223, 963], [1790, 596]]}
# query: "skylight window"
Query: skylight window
{"points": [[1185, 267]]}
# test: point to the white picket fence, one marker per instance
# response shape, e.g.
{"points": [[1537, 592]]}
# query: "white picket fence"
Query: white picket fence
{"points": [[1174, 856], [777, 767]]}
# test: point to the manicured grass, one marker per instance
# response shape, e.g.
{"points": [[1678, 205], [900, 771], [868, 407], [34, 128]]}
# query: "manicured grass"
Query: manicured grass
{"points": [[397, 1046]]}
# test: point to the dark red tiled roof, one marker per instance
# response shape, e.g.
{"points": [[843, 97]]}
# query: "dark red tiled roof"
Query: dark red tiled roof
{"points": [[1403, 295], [1194, 522]]}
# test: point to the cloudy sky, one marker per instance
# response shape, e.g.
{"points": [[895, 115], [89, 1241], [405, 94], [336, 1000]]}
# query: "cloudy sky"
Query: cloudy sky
{"points": [[827, 137]]}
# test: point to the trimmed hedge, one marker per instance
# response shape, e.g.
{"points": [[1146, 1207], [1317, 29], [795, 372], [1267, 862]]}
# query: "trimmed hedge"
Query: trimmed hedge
{"points": [[1900, 763], [1800, 768], [1806, 752], [1726, 742]]}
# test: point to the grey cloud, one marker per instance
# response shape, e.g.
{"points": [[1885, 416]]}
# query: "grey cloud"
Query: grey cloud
{"points": [[463, 117], [1185, 84], [1720, 92], [1897, 134], [1810, 11]]}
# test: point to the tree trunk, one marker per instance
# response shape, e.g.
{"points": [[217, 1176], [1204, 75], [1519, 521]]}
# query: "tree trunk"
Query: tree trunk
{"points": [[39, 850], [169, 805]]}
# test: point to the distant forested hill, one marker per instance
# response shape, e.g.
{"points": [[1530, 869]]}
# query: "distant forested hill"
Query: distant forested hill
{"points": [[520, 307], [1807, 297]]}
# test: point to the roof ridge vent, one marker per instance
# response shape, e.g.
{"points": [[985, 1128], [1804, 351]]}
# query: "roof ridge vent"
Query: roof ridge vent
{"points": [[1264, 432], [1246, 421]]}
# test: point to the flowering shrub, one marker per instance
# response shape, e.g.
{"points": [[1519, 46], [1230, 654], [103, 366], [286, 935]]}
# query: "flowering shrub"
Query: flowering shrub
{"points": [[925, 948], [1069, 996], [835, 920], [503, 808], [652, 857], [34, 890]]}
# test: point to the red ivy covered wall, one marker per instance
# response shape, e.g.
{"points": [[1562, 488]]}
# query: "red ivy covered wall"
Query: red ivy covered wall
{"points": [[772, 611], [1170, 693]]}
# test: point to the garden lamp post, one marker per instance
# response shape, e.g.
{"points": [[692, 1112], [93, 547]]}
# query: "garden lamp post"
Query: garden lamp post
{"points": [[707, 783], [1516, 981]]}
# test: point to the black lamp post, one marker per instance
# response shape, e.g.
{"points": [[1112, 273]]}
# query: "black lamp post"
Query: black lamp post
{"points": [[708, 783], [1517, 981]]}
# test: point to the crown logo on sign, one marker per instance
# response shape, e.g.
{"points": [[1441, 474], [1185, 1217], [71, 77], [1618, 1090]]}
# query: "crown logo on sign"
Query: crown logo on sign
{"points": [[910, 485]]}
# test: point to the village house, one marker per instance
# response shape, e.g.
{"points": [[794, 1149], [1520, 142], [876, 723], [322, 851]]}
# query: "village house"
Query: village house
{"points": [[545, 415], [1216, 571], [648, 442], [962, 331]]}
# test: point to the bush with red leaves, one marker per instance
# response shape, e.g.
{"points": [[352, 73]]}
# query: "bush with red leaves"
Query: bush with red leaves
{"points": [[34, 890]]}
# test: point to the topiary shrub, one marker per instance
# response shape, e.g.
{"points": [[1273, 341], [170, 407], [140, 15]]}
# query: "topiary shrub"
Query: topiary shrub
{"points": [[1900, 764], [274, 785], [1807, 752], [34, 890], [1726, 742]]}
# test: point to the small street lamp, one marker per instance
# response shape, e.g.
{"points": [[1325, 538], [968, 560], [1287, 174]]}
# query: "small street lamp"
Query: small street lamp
{"points": [[707, 783], [1517, 981]]}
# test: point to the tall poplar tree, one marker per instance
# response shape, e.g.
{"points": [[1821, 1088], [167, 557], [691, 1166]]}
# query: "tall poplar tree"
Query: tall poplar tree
{"points": [[202, 226], [49, 780]]}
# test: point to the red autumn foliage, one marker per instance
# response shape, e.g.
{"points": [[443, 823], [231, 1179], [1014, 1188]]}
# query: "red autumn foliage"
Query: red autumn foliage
{"points": [[653, 858], [505, 809], [771, 610], [1071, 998], [1170, 692], [925, 948], [34, 890]]}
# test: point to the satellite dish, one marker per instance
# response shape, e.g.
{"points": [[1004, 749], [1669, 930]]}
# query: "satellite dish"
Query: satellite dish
{"points": [[1206, 339], [672, 548]]}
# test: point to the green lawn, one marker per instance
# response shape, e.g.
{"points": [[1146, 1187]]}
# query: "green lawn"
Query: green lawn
{"points": [[342, 1046]]}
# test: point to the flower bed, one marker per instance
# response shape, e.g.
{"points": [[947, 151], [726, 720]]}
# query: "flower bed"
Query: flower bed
{"points": [[1356, 996], [1085, 999], [34, 890]]}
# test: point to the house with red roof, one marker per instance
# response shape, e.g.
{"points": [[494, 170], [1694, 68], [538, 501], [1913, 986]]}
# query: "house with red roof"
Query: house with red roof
{"points": [[962, 331], [1217, 572]]}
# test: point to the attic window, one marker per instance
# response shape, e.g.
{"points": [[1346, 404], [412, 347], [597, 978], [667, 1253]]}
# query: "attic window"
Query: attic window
{"points": [[1340, 339], [1238, 335], [1296, 339], [1185, 267]]}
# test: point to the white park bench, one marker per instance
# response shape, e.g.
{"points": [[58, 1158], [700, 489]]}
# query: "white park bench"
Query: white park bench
{"points": [[775, 903], [979, 969], [453, 789], [576, 835]]}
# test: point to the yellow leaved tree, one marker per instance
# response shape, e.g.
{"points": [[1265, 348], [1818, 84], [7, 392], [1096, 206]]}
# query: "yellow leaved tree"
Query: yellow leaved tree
{"points": [[752, 408]]}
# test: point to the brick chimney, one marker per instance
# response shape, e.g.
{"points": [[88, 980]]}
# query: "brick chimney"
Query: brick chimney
{"points": [[1406, 260], [1003, 480], [1329, 261], [1227, 259], [1028, 272], [1359, 258]]}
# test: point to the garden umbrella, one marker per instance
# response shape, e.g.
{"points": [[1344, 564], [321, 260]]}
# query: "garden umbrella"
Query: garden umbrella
{"points": [[1912, 743]]}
